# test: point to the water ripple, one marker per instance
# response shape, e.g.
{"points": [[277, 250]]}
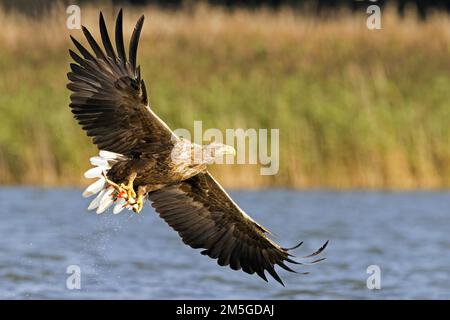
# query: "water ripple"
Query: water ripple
{"points": [[140, 257]]}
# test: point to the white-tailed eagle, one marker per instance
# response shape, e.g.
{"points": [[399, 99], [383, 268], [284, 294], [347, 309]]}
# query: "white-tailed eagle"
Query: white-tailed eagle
{"points": [[142, 159]]}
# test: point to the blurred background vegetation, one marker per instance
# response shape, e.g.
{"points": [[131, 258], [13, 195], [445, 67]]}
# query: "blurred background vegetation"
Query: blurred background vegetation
{"points": [[355, 108]]}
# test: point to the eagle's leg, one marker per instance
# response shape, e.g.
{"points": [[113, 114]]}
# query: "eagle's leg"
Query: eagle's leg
{"points": [[131, 194], [142, 191], [113, 184]]}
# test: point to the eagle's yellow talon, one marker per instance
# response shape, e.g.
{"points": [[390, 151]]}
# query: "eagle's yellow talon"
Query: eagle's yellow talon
{"points": [[131, 194], [139, 204]]}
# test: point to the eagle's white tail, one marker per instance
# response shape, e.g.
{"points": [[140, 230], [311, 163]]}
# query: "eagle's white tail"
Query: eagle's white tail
{"points": [[106, 193]]}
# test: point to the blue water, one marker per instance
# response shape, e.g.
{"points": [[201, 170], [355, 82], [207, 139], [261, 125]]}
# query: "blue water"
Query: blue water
{"points": [[407, 235]]}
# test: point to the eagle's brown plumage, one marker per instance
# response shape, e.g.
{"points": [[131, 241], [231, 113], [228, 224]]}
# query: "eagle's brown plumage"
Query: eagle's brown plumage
{"points": [[110, 102]]}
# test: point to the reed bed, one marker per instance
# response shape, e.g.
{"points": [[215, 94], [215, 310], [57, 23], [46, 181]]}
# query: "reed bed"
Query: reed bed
{"points": [[355, 108]]}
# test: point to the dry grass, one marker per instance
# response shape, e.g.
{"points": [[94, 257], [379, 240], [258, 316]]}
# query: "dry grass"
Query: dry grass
{"points": [[355, 108]]}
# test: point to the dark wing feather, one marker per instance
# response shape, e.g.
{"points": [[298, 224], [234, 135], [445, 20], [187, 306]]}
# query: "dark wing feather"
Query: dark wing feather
{"points": [[135, 41], [105, 38], [205, 217], [119, 38], [109, 99]]}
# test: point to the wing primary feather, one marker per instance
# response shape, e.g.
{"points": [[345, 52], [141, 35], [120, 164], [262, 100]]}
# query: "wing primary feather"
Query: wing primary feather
{"points": [[318, 251], [285, 267], [97, 50], [144, 93], [235, 263], [318, 260], [260, 265], [224, 258], [274, 274], [293, 261], [119, 39], [135, 41], [105, 38], [294, 247], [75, 57], [260, 272], [246, 259], [89, 65], [86, 54], [138, 73]]}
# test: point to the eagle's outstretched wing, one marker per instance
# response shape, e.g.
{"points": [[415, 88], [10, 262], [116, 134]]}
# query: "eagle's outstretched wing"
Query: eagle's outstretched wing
{"points": [[206, 217], [109, 98]]}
